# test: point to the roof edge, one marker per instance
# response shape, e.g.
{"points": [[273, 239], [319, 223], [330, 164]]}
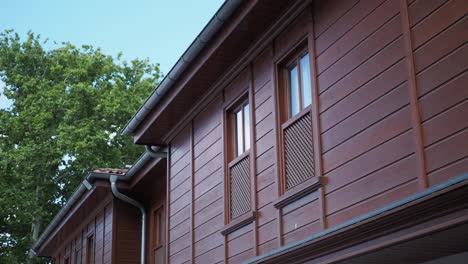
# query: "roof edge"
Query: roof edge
{"points": [[86, 185], [195, 48]]}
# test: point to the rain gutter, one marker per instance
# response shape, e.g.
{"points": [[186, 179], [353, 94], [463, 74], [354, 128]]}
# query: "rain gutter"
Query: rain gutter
{"points": [[200, 42], [88, 184]]}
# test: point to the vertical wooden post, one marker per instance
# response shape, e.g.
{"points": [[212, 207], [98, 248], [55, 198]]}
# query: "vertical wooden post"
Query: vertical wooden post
{"points": [[412, 85], [252, 157], [103, 232], [317, 143], [276, 128], [226, 191], [168, 204], [192, 193]]}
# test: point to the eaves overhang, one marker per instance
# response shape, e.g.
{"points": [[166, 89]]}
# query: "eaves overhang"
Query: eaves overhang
{"points": [[222, 58], [94, 180], [194, 50]]}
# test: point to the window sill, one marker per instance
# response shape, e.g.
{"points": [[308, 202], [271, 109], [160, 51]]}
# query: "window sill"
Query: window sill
{"points": [[298, 192], [239, 222]]}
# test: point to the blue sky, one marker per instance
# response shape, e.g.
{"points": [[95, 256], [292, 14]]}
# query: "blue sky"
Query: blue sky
{"points": [[155, 29]]}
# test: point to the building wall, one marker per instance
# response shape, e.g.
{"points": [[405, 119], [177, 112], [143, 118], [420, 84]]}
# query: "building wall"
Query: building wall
{"points": [[127, 233], [365, 111], [390, 83], [100, 225], [439, 31]]}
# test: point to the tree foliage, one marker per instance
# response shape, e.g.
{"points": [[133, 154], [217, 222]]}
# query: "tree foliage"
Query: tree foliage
{"points": [[68, 107]]}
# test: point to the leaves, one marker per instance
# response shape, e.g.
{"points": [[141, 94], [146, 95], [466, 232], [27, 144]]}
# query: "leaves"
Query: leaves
{"points": [[69, 106]]}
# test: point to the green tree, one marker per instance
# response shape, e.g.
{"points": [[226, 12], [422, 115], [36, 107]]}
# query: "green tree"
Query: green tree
{"points": [[68, 107]]}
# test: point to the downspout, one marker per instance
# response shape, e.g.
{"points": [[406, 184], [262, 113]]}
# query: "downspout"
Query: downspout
{"points": [[87, 185], [113, 180]]}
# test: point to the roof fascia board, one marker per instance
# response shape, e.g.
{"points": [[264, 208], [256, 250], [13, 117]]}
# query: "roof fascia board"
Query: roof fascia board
{"points": [[76, 202], [237, 67], [84, 223], [75, 206], [182, 81], [199, 43]]}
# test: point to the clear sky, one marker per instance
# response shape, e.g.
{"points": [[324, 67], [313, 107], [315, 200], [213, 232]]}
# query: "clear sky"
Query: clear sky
{"points": [[160, 30]]}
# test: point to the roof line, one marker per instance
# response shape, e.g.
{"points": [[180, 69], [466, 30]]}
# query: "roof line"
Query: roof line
{"points": [[86, 185], [204, 37]]}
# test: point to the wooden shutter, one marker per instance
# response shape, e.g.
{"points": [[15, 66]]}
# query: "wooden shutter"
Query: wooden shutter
{"points": [[298, 151], [239, 188]]}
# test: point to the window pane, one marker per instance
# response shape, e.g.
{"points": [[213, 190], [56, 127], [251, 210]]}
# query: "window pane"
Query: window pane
{"points": [[90, 250], [239, 135], [160, 227], [305, 81], [293, 91], [247, 126], [78, 257], [156, 227]]}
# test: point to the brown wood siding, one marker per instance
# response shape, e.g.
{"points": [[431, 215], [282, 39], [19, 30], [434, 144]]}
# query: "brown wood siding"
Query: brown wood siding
{"points": [[208, 184], [265, 132], [365, 112], [240, 245], [108, 234], [371, 116], [179, 247], [439, 31], [127, 234], [100, 226]]}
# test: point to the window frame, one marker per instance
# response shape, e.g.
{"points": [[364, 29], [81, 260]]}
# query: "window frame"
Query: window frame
{"points": [[285, 119], [158, 207], [231, 113], [243, 97], [157, 230], [283, 69], [90, 237], [78, 255]]}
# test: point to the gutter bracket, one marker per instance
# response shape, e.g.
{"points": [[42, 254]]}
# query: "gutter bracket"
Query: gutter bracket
{"points": [[87, 184], [155, 153]]}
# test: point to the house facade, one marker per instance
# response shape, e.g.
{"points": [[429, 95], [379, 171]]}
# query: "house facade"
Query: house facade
{"points": [[293, 132]]}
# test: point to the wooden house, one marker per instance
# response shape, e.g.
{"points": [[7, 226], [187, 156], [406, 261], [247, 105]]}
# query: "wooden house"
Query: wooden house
{"points": [[324, 131]]}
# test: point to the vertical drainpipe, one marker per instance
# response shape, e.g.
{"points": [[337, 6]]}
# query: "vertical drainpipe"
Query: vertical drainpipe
{"points": [[113, 180]]}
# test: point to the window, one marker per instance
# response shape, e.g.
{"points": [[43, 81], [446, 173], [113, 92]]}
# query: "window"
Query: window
{"points": [[296, 118], [157, 235], [78, 256], [90, 250], [157, 228], [238, 167], [241, 129], [298, 84]]}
